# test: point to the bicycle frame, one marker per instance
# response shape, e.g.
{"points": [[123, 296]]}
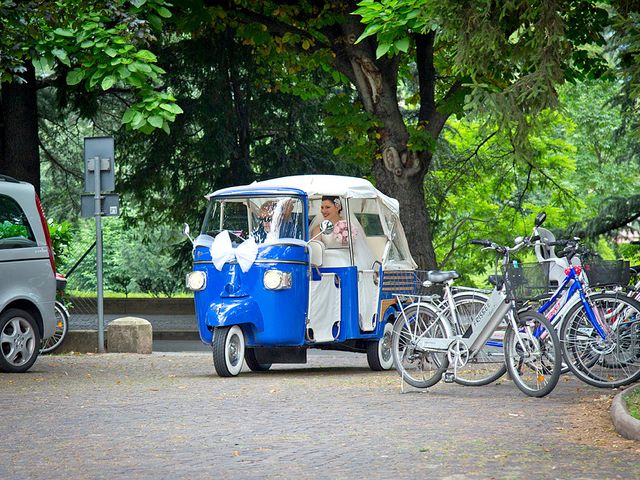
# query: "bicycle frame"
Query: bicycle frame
{"points": [[480, 330], [573, 284]]}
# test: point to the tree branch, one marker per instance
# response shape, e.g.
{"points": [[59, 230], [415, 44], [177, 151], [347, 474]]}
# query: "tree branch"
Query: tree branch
{"points": [[58, 163], [617, 213]]}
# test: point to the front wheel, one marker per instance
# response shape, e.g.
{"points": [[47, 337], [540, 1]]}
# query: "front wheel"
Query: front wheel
{"points": [[228, 350], [379, 354], [417, 364], [532, 354], [62, 326], [19, 341]]}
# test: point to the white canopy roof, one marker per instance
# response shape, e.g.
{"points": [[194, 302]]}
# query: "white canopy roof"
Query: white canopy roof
{"points": [[318, 185]]}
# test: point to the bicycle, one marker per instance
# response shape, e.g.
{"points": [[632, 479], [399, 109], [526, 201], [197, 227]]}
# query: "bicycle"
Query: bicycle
{"points": [[424, 343], [599, 332], [62, 327], [62, 319]]}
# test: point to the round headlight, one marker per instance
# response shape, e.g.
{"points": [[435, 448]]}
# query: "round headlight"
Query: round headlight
{"points": [[196, 280], [272, 279]]}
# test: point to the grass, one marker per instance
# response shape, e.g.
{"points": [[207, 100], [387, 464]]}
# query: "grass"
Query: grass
{"points": [[633, 403]]}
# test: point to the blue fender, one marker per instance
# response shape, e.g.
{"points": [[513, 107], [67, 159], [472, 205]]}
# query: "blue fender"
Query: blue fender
{"points": [[232, 311]]}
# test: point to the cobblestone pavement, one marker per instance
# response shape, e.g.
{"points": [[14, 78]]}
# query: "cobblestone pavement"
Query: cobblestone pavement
{"points": [[168, 416]]}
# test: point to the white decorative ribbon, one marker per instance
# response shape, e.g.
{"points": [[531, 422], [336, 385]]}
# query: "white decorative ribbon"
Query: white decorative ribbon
{"points": [[222, 251]]}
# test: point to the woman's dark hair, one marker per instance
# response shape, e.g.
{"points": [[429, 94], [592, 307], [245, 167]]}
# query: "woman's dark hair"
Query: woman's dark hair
{"points": [[336, 201]]}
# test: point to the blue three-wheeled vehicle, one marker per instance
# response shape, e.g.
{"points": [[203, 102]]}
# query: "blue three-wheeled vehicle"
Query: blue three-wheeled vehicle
{"points": [[300, 262]]}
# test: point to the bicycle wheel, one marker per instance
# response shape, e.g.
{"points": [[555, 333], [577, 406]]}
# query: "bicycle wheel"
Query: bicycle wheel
{"points": [[607, 362], [62, 326], [416, 365], [487, 365], [532, 354]]}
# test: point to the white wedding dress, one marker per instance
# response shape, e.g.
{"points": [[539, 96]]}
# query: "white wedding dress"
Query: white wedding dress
{"points": [[337, 254]]}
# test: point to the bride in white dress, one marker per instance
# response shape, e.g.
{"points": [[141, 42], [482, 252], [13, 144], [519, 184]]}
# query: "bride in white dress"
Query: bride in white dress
{"points": [[337, 242]]}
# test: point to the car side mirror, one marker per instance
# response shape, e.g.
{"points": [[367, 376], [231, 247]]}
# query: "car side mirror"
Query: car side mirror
{"points": [[540, 218], [186, 231], [326, 227]]}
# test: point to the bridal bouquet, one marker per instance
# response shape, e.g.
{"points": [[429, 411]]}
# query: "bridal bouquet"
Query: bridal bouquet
{"points": [[341, 231]]}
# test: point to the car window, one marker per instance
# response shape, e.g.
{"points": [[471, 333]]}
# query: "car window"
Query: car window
{"points": [[15, 231]]}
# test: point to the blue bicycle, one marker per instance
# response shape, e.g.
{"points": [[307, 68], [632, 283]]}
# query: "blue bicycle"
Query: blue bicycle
{"points": [[599, 332]]}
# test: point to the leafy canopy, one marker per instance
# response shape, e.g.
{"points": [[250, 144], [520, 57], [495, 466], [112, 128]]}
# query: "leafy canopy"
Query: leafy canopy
{"points": [[97, 45]]}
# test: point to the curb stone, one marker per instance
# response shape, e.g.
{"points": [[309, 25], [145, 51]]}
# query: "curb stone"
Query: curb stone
{"points": [[623, 422]]}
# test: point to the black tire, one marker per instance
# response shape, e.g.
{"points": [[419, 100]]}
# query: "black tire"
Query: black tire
{"points": [[52, 343], [228, 350], [379, 354], [535, 369], [488, 364], [610, 362], [19, 341], [252, 362], [420, 369]]}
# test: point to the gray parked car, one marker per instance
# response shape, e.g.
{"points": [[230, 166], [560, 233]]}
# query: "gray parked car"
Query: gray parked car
{"points": [[27, 276]]}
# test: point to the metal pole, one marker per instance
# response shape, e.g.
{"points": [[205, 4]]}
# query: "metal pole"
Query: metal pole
{"points": [[98, 214]]}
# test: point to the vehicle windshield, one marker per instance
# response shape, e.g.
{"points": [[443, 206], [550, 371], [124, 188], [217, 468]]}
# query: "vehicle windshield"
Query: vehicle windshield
{"points": [[265, 219]]}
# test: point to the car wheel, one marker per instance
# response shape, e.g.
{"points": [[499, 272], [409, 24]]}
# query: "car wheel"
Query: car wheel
{"points": [[228, 350], [252, 361], [379, 354], [19, 341]]}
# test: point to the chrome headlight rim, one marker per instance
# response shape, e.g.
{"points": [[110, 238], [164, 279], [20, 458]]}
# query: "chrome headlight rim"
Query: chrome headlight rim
{"points": [[274, 279], [196, 280]]}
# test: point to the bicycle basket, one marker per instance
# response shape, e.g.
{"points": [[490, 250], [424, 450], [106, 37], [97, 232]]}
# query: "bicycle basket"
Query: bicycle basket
{"points": [[527, 281], [607, 272], [405, 282]]}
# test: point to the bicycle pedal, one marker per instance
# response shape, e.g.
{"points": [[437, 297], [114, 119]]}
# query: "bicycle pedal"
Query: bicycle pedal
{"points": [[449, 377]]}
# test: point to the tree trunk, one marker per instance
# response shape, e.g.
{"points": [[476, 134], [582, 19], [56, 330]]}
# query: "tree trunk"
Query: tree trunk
{"points": [[20, 156], [399, 172], [241, 172]]}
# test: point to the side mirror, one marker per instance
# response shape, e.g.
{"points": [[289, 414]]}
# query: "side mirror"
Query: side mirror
{"points": [[326, 227], [540, 218], [186, 231]]}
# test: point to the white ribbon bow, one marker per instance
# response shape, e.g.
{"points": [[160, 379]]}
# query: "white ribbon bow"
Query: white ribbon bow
{"points": [[222, 251]]}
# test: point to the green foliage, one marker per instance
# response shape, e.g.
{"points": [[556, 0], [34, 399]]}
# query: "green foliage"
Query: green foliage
{"points": [[128, 258], [97, 45], [511, 55], [9, 229], [478, 190], [393, 22], [61, 237]]}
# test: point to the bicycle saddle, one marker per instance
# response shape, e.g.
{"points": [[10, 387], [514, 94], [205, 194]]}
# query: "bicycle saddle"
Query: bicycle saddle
{"points": [[438, 276]]}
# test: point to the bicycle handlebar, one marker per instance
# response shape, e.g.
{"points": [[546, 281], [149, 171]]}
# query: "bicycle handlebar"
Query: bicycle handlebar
{"points": [[484, 243]]}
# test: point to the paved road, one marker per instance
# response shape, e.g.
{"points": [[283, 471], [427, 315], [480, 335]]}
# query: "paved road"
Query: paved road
{"points": [[168, 416]]}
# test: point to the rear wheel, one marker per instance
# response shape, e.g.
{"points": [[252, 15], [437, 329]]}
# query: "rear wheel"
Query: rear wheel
{"points": [[62, 326], [487, 365], [19, 341], [532, 354], [416, 364], [228, 350], [252, 362], [379, 354]]}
